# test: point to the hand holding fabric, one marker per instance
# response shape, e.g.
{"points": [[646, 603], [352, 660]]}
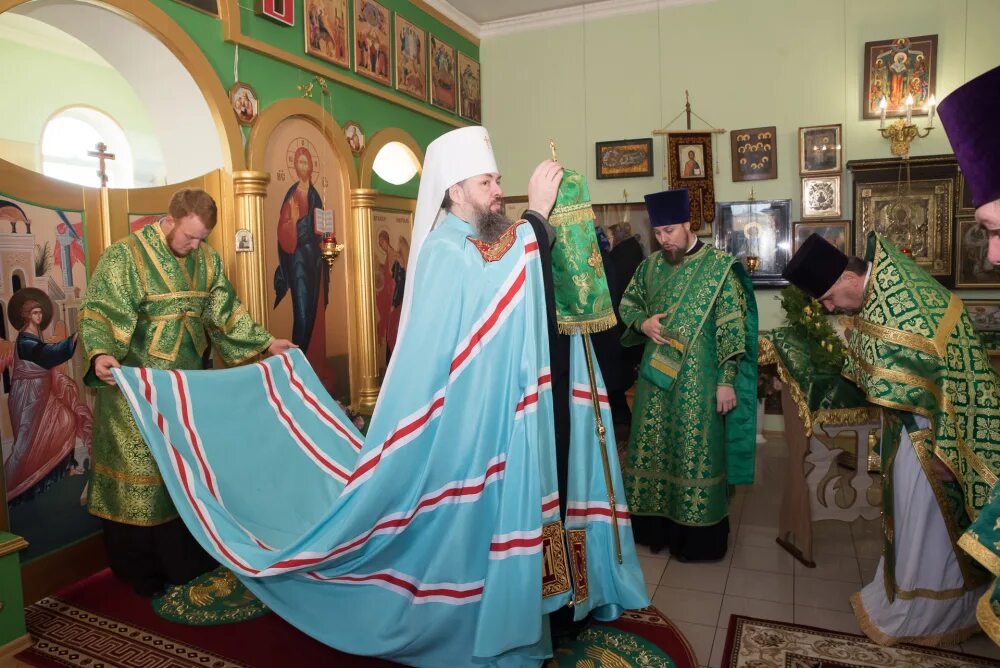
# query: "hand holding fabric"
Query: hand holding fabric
{"points": [[279, 346], [103, 364]]}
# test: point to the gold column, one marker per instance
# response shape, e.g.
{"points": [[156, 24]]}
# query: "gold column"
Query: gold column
{"points": [[365, 383], [250, 188]]}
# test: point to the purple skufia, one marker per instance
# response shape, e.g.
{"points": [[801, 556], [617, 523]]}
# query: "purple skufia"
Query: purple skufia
{"points": [[969, 116], [669, 207]]}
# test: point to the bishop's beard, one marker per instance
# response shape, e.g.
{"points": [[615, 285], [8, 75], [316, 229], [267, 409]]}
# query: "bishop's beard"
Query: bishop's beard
{"points": [[490, 225]]}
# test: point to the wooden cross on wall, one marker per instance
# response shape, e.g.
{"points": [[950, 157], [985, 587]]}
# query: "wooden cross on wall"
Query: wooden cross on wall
{"points": [[101, 154]]}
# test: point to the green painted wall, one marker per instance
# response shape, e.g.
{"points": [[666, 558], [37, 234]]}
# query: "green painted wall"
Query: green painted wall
{"points": [[787, 63], [276, 80], [31, 72]]}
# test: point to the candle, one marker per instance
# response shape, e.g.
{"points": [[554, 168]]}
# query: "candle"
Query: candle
{"points": [[909, 109], [882, 104], [931, 104]]}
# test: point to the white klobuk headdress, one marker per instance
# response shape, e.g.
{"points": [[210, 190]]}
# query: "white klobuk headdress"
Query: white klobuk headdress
{"points": [[451, 158]]}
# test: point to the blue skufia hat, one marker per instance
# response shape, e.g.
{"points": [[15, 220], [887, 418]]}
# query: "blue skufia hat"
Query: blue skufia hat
{"points": [[669, 207]]}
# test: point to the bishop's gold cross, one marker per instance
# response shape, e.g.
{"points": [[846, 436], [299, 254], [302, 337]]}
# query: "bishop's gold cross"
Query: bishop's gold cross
{"points": [[102, 154], [552, 149]]}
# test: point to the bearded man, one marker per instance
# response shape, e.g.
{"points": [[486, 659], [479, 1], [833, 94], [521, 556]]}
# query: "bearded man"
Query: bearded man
{"points": [[694, 416]]}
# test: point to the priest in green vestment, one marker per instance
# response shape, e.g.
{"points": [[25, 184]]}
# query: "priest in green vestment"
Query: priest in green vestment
{"points": [[913, 350], [967, 116], [156, 300], [694, 417]]}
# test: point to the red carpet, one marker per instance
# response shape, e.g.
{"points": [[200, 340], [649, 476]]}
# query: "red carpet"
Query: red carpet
{"points": [[99, 621]]}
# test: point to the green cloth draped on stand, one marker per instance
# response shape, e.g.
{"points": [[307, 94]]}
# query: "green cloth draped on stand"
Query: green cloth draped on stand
{"points": [[821, 396]]}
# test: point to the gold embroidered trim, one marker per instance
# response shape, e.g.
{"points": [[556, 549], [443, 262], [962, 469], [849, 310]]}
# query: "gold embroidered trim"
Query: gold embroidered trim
{"points": [[662, 367], [591, 326], [251, 355], [139, 260], [898, 337], [732, 315], [842, 416], [578, 213], [922, 441], [555, 572], [987, 618], [121, 519], [687, 482], [980, 553], [496, 250], [578, 563], [131, 479], [170, 317], [177, 295], [210, 256], [238, 313], [879, 373], [882, 638], [948, 324], [118, 333], [155, 343], [156, 260]]}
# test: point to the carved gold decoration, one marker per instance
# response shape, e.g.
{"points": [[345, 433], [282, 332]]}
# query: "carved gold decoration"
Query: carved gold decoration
{"points": [[901, 135], [915, 216]]}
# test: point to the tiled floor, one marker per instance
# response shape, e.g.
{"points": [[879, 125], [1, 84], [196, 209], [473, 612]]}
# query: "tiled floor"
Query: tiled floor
{"points": [[759, 579]]}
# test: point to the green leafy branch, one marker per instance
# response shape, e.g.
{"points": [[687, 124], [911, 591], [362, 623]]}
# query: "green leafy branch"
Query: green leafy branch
{"points": [[807, 319]]}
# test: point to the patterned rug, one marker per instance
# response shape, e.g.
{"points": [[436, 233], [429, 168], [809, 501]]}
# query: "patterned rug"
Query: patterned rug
{"points": [[758, 643], [100, 623]]}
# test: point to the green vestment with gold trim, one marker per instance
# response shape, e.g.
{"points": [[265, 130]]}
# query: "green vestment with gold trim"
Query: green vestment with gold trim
{"points": [[682, 453], [147, 308], [915, 350]]}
